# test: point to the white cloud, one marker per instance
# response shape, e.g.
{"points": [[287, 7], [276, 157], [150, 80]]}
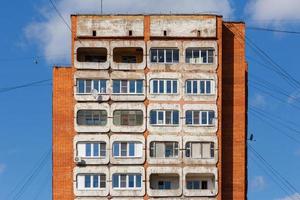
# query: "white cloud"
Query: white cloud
{"points": [[258, 100], [292, 197], [273, 11], [2, 168], [258, 183], [53, 37], [294, 97]]}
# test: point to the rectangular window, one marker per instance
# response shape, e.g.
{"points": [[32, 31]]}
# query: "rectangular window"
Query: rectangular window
{"points": [[127, 181], [86, 86], [91, 181], [199, 56], [199, 150], [169, 55], [128, 117], [92, 117], [199, 117], [163, 86], [164, 149], [164, 185], [193, 185], [164, 117], [127, 86], [91, 150], [199, 87], [127, 149]]}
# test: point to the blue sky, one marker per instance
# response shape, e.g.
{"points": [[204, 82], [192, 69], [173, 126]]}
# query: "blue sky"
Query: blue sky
{"points": [[31, 30]]}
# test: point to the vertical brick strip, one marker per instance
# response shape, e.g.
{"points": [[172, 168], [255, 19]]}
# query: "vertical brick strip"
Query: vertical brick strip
{"points": [[234, 113], [63, 133]]}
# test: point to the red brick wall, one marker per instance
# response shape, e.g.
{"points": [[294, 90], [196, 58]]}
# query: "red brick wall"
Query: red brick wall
{"points": [[63, 133], [234, 119]]}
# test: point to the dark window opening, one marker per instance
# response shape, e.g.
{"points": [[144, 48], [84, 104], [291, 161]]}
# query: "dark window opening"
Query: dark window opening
{"points": [[165, 33], [91, 54], [94, 33], [128, 55], [164, 181], [198, 33], [130, 33]]}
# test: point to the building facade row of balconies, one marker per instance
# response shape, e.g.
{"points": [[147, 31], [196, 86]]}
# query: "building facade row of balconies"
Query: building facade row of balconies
{"points": [[131, 181], [136, 54], [125, 149]]}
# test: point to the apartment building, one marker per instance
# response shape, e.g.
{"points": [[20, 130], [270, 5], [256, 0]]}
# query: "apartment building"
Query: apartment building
{"points": [[153, 107]]}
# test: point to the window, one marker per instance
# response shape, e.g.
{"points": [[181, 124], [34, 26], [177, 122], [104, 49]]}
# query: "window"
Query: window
{"points": [[85, 86], [91, 150], [87, 54], [127, 86], [169, 55], [91, 181], [201, 150], [163, 86], [128, 54], [164, 149], [92, 117], [202, 118], [164, 185], [199, 86], [197, 185], [199, 56], [127, 149], [164, 117], [127, 181], [128, 118]]}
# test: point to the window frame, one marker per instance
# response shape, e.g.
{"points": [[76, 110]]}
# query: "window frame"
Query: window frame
{"points": [[165, 55], [128, 86], [92, 117], [153, 147], [165, 86], [100, 84], [100, 149], [200, 51], [91, 181], [137, 176], [200, 112], [136, 115], [119, 143], [164, 114], [189, 149], [198, 82]]}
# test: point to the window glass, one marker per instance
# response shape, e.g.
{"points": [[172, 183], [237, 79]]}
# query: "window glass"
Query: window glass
{"points": [[169, 86], [96, 149], [115, 181], [153, 119], [155, 86], [138, 181], [195, 89], [153, 53], [123, 149], [116, 86], [208, 87], [92, 117], [203, 117], [161, 56], [188, 117], [95, 181], [131, 181], [174, 86], [80, 86], [124, 86], [116, 149], [161, 86], [123, 181], [128, 117], [87, 181], [175, 117], [88, 150], [168, 55], [132, 86], [131, 149], [188, 87], [202, 87], [88, 86], [139, 88], [175, 56]]}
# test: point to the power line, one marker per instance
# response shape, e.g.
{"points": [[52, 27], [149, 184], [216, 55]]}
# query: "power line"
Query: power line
{"points": [[35, 83], [60, 15], [272, 30]]}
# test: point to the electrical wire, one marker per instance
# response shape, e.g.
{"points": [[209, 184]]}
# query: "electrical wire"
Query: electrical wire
{"points": [[35, 83], [272, 30]]}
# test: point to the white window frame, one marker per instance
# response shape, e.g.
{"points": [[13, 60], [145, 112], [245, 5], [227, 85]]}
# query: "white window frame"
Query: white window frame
{"points": [[136, 154], [92, 149], [91, 182], [153, 148], [92, 86], [165, 86], [190, 149], [127, 182], [200, 61], [200, 118], [164, 118], [165, 55], [212, 86], [128, 86]]}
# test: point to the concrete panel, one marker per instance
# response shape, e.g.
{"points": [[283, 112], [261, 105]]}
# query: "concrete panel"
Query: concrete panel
{"points": [[123, 75], [110, 26], [92, 138], [91, 170], [92, 106], [92, 44], [192, 24], [197, 129], [164, 138], [164, 170], [89, 74], [128, 192], [128, 106], [192, 161], [127, 138], [164, 128], [201, 171], [164, 75], [128, 43]]}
